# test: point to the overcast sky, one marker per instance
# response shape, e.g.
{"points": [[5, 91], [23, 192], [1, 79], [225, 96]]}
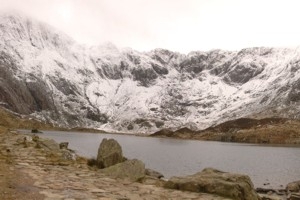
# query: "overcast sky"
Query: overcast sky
{"points": [[178, 25]]}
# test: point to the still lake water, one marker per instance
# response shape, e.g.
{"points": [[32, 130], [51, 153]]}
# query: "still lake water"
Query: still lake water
{"points": [[172, 157]]}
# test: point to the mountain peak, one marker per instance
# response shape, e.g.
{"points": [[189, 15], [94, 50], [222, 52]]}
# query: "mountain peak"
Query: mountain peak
{"points": [[17, 28]]}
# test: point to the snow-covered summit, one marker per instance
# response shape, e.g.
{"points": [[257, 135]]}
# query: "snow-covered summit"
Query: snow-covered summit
{"points": [[16, 28], [46, 74]]}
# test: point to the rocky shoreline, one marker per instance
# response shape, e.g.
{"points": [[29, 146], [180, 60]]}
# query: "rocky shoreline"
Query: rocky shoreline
{"points": [[49, 175], [243, 130], [34, 168]]}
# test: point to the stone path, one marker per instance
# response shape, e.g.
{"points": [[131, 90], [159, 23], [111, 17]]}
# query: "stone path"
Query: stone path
{"points": [[55, 178]]}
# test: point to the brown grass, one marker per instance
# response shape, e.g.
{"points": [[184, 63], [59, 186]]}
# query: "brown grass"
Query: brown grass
{"points": [[11, 120], [246, 130], [270, 130]]}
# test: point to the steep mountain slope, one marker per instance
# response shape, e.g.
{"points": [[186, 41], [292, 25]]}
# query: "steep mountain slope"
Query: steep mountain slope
{"points": [[46, 75]]}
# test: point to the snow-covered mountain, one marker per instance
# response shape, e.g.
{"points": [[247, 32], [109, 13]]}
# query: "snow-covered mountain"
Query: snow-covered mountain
{"points": [[47, 75]]}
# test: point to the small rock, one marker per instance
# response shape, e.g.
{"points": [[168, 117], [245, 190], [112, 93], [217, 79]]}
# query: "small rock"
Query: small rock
{"points": [[67, 155], [35, 131], [47, 144], [154, 173], [150, 180], [270, 192], [294, 196], [63, 145], [293, 186], [280, 192], [35, 138], [269, 197], [263, 190]]}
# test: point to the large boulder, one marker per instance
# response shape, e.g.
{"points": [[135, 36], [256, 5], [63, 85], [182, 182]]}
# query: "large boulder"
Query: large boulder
{"points": [[131, 169], [109, 153], [234, 186]]}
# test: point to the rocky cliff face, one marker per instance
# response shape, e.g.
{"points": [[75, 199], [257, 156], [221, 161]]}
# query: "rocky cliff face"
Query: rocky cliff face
{"points": [[46, 75]]}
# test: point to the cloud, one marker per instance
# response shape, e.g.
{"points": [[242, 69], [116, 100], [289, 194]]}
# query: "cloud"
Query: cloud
{"points": [[176, 25]]}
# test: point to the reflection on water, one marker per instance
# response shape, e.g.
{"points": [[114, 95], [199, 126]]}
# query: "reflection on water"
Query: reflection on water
{"points": [[172, 157]]}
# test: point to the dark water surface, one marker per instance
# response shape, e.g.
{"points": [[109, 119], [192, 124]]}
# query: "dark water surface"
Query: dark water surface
{"points": [[277, 165]]}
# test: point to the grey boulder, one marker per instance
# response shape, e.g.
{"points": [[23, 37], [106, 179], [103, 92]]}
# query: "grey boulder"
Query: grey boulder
{"points": [[131, 169], [109, 153], [234, 186]]}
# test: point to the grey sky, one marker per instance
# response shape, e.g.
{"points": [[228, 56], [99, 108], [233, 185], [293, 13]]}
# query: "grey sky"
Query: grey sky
{"points": [[178, 25]]}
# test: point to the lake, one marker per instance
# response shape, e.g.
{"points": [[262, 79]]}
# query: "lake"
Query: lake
{"points": [[277, 165]]}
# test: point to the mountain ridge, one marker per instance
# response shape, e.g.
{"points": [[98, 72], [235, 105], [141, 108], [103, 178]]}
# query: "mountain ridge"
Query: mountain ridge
{"points": [[46, 75]]}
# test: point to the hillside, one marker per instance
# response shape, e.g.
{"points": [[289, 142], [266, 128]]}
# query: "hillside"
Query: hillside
{"points": [[245, 130], [14, 121], [46, 75]]}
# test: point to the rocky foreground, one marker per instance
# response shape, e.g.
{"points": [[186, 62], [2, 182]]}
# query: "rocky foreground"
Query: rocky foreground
{"points": [[33, 168], [28, 172]]}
